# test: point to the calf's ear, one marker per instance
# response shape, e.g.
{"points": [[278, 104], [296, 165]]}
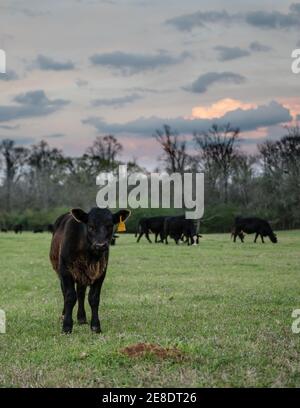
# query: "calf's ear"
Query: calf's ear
{"points": [[124, 214], [79, 215]]}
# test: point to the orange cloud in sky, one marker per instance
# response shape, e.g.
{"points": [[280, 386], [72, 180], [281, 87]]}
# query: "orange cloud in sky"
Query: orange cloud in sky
{"points": [[218, 109], [293, 104]]}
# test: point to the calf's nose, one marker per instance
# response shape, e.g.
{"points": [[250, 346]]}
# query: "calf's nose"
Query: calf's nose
{"points": [[102, 245]]}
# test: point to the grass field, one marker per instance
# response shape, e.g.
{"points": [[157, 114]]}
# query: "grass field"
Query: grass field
{"points": [[226, 306]]}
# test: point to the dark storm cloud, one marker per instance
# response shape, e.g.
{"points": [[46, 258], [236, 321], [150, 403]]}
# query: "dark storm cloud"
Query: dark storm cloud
{"points": [[116, 102], [131, 63], [259, 18], [206, 80], [49, 64], [10, 75], [250, 119], [31, 104], [231, 53]]}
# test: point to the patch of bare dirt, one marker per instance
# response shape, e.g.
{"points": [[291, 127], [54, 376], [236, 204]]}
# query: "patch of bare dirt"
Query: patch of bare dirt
{"points": [[142, 349]]}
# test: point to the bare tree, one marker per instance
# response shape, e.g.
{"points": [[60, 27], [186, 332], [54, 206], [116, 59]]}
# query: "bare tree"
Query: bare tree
{"points": [[105, 150], [282, 155], [175, 155], [14, 159], [45, 168], [218, 151], [281, 176]]}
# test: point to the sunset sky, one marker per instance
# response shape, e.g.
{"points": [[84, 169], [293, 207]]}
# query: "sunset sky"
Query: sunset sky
{"points": [[77, 69]]}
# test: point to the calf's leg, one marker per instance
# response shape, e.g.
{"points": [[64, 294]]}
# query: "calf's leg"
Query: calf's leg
{"points": [[256, 235], [63, 292], [81, 315], [94, 301], [70, 300]]}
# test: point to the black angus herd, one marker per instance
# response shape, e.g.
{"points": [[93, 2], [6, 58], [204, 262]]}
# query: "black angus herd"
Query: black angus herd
{"points": [[19, 228], [179, 228], [185, 230]]}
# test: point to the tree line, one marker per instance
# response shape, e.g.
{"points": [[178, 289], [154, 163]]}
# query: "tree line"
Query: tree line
{"points": [[267, 183]]}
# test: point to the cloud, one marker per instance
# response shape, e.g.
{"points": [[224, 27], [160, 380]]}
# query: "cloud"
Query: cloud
{"points": [[219, 108], [130, 63], [16, 9], [81, 83], [206, 80], [256, 46], [116, 102], [259, 18], [23, 140], [246, 119], [49, 64], [231, 53], [10, 75], [187, 22], [8, 127], [272, 20], [31, 104], [54, 136]]}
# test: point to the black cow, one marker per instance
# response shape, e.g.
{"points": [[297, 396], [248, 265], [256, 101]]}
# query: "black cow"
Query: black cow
{"points": [[18, 228], [50, 228], [38, 230], [151, 224], [177, 227], [114, 239], [253, 225], [235, 232], [186, 239], [79, 254]]}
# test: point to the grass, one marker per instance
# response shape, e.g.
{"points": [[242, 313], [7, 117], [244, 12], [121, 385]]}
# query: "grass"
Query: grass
{"points": [[227, 306]]}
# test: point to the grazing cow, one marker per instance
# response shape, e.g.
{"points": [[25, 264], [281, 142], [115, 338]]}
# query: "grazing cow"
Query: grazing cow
{"points": [[186, 240], [38, 230], [151, 224], [18, 228], [253, 225], [239, 234], [79, 254], [179, 226]]}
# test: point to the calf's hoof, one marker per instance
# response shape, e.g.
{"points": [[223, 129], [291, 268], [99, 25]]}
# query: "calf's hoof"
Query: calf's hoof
{"points": [[82, 320], [96, 329], [67, 330]]}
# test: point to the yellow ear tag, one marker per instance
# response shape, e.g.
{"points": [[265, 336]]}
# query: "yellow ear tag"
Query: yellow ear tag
{"points": [[121, 226]]}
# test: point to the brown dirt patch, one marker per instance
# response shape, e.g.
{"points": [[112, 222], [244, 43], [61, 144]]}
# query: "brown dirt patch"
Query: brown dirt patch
{"points": [[142, 349]]}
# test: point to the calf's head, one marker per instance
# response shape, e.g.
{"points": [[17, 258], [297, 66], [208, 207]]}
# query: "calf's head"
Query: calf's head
{"points": [[99, 225]]}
